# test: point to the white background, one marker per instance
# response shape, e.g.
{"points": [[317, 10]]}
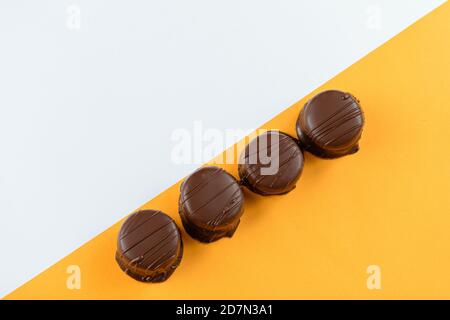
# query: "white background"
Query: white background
{"points": [[88, 101]]}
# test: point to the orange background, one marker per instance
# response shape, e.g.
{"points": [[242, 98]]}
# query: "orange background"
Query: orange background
{"points": [[387, 205]]}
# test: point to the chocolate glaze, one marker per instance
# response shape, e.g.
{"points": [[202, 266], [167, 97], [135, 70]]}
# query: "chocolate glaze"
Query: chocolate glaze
{"points": [[330, 124], [211, 204], [149, 246], [290, 163]]}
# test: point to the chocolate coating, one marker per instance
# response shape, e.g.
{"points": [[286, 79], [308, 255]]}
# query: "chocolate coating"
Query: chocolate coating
{"points": [[275, 149], [330, 124], [149, 247], [211, 204]]}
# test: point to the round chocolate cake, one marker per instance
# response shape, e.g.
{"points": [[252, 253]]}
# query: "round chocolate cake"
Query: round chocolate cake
{"points": [[149, 247], [271, 163], [211, 204], [330, 124]]}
